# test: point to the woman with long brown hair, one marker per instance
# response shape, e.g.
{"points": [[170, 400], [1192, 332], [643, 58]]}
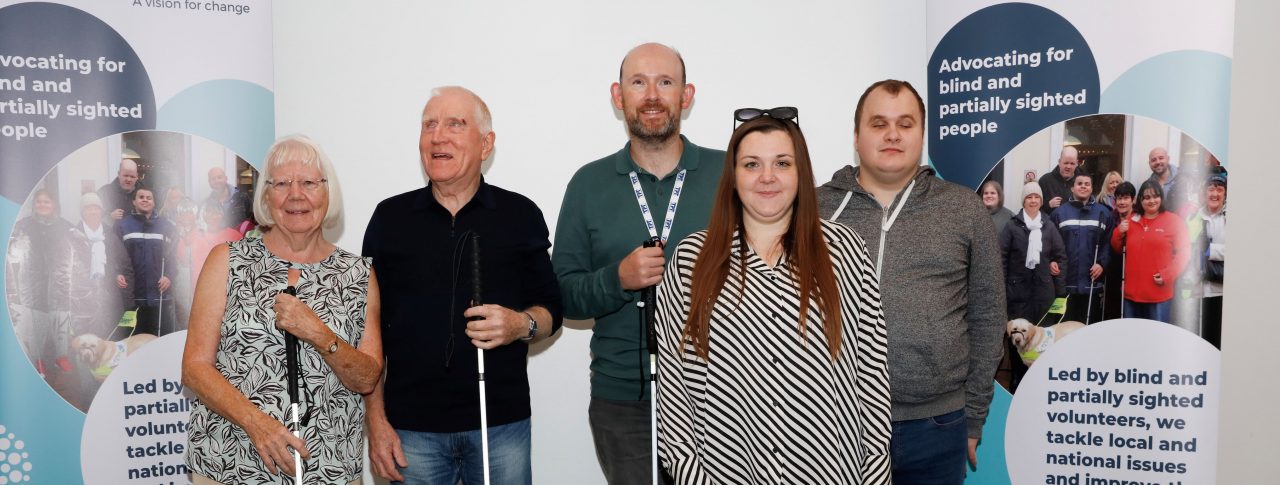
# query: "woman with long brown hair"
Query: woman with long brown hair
{"points": [[772, 339]]}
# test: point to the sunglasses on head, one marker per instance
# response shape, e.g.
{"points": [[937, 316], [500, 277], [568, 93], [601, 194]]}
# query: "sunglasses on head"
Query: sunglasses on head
{"points": [[779, 113]]}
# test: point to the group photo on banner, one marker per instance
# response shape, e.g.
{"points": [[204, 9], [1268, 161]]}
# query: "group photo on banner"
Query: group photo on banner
{"points": [[1088, 264], [98, 267]]}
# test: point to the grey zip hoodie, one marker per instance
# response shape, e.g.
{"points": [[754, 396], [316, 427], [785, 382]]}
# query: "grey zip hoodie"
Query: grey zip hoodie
{"points": [[942, 288]]}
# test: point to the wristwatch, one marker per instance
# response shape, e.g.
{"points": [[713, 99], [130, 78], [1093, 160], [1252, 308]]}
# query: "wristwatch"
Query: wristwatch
{"points": [[333, 347], [533, 328]]}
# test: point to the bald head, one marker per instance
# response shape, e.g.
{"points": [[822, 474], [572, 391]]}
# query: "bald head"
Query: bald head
{"points": [[483, 120], [1069, 152], [1158, 159], [1068, 160], [645, 55], [217, 180], [127, 176]]}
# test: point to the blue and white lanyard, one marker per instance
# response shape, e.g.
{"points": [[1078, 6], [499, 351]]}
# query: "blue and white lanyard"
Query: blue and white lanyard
{"points": [[671, 206]]}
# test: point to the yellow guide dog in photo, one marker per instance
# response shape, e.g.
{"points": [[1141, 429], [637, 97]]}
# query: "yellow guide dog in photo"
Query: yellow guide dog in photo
{"points": [[1032, 341], [100, 356]]}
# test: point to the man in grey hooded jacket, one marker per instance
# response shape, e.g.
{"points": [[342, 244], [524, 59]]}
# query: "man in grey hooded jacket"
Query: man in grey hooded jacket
{"points": [[940, 280]]}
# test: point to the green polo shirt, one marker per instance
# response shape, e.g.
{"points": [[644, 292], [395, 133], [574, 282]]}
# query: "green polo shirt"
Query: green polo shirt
{"points": [[600, 223]]}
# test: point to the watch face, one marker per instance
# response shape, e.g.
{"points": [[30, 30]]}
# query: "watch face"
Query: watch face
{"points": [[334, 347]]}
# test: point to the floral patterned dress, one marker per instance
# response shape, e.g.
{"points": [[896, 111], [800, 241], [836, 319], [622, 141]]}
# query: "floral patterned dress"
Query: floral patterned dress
{"points": [[251, 355]]}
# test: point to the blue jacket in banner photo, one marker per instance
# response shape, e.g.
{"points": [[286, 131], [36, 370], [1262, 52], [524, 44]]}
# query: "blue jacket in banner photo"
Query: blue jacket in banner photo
{"points": [[1086, 230], [148, 241]]}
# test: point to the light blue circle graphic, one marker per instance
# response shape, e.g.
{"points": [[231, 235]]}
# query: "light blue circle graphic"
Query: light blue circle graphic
{"points": [[1189, 90], [237, 114]]}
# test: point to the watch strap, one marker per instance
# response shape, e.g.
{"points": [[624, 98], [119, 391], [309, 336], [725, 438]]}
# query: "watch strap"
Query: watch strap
{"points": [[333, 347], [533, 327]]}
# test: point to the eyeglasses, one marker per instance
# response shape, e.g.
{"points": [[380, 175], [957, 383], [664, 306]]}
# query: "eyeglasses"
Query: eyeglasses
{"points": [[454, 125], [779, 113], [282, 186]]}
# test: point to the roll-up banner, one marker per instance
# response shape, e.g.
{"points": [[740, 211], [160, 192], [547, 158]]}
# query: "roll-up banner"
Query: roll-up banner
{"points": [[101, 104], [1112, 367]]}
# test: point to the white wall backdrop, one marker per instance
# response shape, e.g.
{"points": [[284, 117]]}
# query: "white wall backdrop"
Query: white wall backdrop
{"points": [[354, 76], [1247, 435]]}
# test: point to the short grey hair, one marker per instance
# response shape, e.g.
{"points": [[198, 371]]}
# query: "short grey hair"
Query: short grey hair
{"points": [[297, 148], [484, 120]]}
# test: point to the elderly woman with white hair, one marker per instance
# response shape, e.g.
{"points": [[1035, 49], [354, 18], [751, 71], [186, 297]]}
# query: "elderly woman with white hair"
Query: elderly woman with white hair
{"points": [[98, 301], [249, 295]]}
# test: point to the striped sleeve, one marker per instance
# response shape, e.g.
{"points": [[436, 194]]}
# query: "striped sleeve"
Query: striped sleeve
{"points": [[860, 303], [677, 446]]}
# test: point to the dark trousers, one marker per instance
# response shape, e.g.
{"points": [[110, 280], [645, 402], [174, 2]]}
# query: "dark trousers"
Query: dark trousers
{"points": [[622, 436], [1079, 309], [1211, 320], [1030, 310], [157, 320]]}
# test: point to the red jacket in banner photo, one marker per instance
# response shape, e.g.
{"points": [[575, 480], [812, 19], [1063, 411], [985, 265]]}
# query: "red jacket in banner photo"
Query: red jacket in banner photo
{"points": [[1156, 245]]}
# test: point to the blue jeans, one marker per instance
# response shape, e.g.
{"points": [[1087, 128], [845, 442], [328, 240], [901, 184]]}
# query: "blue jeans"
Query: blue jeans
{"points": [[1151, 311], [446, 458], [930, 451]]}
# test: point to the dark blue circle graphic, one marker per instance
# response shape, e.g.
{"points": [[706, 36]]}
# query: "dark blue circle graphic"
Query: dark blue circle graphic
{"points": [[66, 79], [1000, 75]]}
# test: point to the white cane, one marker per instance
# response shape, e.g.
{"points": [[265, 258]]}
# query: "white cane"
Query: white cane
{"points": [[484, 414], [160, 319], [1089, 306], [653, 413], [484, 417], [648, 307], [1124, 261], [297, 456]]}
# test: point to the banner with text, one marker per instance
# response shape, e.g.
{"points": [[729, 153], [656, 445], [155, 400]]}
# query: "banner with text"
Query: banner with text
{"points": [[1106, 124], [101, 102]]}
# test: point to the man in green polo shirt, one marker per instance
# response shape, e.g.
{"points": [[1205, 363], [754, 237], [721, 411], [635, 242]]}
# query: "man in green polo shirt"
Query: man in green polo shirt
{"points": [[598, 255]]}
